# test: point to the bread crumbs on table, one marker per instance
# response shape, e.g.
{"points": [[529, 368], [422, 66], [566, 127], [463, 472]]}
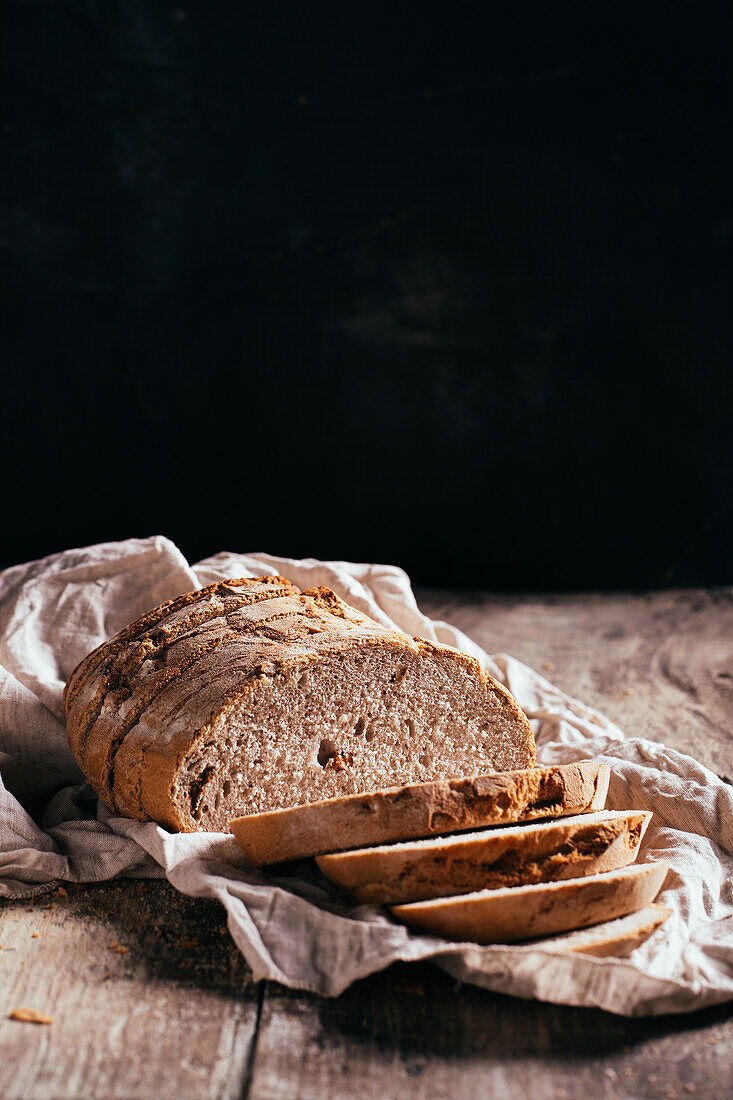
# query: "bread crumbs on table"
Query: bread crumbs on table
{"points": [[30, 1016], [61, 892], [35, 935]]}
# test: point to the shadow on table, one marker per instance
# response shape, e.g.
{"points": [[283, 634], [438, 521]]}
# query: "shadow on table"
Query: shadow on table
{"points": [[418, 1010]]}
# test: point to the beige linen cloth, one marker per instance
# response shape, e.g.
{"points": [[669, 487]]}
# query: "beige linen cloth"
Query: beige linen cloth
{"points": [[293, 927]]}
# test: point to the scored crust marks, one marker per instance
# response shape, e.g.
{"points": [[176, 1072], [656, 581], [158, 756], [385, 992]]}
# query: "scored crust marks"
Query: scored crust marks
{"points": [[136, 629], [107, 731], [144, 665], [111, 671], [110, 656], [117, 671], [149, 652], [105, 738]]}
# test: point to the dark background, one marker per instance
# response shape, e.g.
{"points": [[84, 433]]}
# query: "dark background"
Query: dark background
{"points": [[437, 285]]}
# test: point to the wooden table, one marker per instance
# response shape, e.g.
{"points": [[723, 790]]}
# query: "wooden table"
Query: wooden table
{"points": [[178, 1015]]}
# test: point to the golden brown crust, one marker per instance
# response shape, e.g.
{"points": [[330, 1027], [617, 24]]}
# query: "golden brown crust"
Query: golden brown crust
{"points": [[571, 847], [617, 937], [527, 912], [112, 665], [107, 676], [422, 810], [89, 665], [158, 649]]}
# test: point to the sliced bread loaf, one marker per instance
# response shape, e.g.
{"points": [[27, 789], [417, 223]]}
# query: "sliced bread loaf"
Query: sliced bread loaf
{"points": [[526, 912], [490, 858], [250, 696], [420, 810], [614, 937]]}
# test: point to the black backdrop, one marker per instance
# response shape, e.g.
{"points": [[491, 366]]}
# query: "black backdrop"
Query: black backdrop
{"points": [[431, 284]]}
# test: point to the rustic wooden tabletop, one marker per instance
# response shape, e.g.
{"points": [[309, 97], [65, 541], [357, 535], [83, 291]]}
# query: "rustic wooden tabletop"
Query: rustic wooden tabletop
{"points": [[149, 996]]}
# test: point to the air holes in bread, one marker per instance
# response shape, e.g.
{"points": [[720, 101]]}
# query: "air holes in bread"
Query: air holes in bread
{"points": [[326, 749], [197, 788], [365, 728]]}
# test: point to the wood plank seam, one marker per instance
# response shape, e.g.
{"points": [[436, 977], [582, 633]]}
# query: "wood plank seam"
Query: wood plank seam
{"points": [[249, 1068]]}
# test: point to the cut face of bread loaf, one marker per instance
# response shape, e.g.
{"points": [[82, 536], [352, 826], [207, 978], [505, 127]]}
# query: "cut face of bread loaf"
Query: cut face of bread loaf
{"points": [[489, 859], [526, 912], [250, 696], [421, 810]]}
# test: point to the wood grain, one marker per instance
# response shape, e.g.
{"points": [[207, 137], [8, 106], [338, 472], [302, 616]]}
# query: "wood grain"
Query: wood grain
{"points": [[413, 1032], [148, 993], [178, 1014]]}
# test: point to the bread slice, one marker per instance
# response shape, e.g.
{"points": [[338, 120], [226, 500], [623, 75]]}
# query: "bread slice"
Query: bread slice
{"points": [[614, 937], [489, 859], [250, 696], [402, 813], [525, 912]]}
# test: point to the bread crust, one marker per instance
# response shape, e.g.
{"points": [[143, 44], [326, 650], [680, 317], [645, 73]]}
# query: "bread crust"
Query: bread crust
{"points": [[110, 669], [135, 630], [117, 682], [490, 858], [617, 937], [422, 810], [527, 912], [141, 704]]}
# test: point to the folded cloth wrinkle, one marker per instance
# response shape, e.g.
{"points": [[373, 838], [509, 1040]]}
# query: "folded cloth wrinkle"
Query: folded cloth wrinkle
{"points": [[290, 925]]}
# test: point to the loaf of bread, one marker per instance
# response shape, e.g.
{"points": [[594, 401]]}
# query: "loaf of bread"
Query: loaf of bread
{"points": [[527, 912], [489, 858], [249, 696], [422, 810]]}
